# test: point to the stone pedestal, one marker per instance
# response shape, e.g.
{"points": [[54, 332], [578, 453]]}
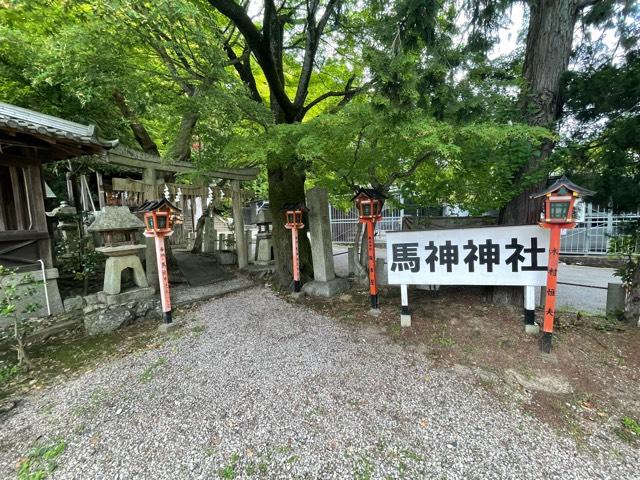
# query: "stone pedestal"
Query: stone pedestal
{"points": [[325, 283], [120, 258]]}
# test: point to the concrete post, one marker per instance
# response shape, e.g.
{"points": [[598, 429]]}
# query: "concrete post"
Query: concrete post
{"points": [[238, 224], [616, 298], [325, 283]]}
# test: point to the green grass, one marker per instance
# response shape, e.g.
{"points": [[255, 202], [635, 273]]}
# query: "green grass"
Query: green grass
{"points": [[8, 372], [41, 461], [152, 369], [228, 472], [629, 430], [363, 469], [446, 342]]}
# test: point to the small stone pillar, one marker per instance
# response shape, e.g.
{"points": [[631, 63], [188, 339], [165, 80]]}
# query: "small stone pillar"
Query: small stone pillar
{"points": [[325, 282], [151, 264], [248, 237], [209, 236], [616, 298], [238, 224], [351, 260]]}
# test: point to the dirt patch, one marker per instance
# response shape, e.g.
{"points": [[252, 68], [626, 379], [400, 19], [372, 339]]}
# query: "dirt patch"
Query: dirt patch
{"points": [[589, 383]]}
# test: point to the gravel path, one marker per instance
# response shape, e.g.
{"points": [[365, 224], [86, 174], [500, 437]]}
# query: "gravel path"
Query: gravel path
{"points": [[256, 386]]}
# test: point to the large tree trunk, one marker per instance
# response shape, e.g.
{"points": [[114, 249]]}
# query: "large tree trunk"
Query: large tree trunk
{"points": [[286, 185], [548, 50], [181, 146]]}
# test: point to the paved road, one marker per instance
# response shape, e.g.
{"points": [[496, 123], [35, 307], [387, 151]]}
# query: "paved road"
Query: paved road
{"points": [[571, 297], [255, 387]]}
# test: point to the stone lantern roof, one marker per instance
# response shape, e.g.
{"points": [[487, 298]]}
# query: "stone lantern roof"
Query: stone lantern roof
{"points": [[112, 219]]}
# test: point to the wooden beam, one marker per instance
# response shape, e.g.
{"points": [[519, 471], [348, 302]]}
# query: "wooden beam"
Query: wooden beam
{"points": [[3, 224], [140, 160], [101, 197], [36, 197], [17, 198], [18, 235]]}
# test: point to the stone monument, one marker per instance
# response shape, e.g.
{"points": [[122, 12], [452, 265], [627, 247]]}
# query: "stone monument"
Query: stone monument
{"points": [[325, 283], [264, 242]]}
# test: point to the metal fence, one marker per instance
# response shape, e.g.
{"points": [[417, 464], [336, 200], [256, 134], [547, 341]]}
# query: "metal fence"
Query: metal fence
{"points": [[345, 224], [592, 236]]}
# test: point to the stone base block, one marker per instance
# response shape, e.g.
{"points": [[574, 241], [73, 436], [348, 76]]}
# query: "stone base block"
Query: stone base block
{"points": [[405, 320], [225, 257], [326, 289], [126, 297], [168, 327], [108, 320], [374, 312], [532, 329], [297, 295]]}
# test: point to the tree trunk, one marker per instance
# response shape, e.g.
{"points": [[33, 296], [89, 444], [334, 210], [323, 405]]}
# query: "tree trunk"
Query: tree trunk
{"points": [[181, 147], [632, 308], [548, 50], [286, 185]]}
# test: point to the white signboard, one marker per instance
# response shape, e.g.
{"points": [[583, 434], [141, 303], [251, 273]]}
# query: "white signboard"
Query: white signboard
{"points": [[511, 255]]}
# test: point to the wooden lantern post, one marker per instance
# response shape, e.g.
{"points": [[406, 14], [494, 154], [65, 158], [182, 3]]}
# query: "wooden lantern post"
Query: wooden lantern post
{"points": [[293, 221], [369, 203], [158, 220], [558, 214]]}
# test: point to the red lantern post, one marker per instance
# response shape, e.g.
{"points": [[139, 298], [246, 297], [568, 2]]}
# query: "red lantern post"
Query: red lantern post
{"points": [[158, 223], [369, 203], [558, 214], [293, 218]]}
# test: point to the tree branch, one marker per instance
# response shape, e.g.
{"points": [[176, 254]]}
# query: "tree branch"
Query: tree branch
{"points": [[260, 49], [314, 32], [244, 71], [410, 171], [139, 131], [586, 3], [346, 93]]}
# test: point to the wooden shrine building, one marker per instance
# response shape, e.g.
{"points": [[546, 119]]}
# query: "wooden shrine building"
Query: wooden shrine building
{"points": [[29, 139]]}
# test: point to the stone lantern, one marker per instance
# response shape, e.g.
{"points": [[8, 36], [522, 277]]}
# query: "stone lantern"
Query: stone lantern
{"points": [[117, 227]]}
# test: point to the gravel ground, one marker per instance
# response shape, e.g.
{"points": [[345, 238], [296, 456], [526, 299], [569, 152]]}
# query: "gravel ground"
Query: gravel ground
{"points": [[257, 386]]}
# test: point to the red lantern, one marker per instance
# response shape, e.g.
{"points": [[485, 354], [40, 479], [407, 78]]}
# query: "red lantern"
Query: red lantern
{"points": [[369, 203], [558, 214], [293, 222], [158, 221]]}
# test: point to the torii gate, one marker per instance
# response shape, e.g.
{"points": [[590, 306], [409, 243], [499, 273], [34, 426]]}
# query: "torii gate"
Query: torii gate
{"points": [[152, 164]]}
